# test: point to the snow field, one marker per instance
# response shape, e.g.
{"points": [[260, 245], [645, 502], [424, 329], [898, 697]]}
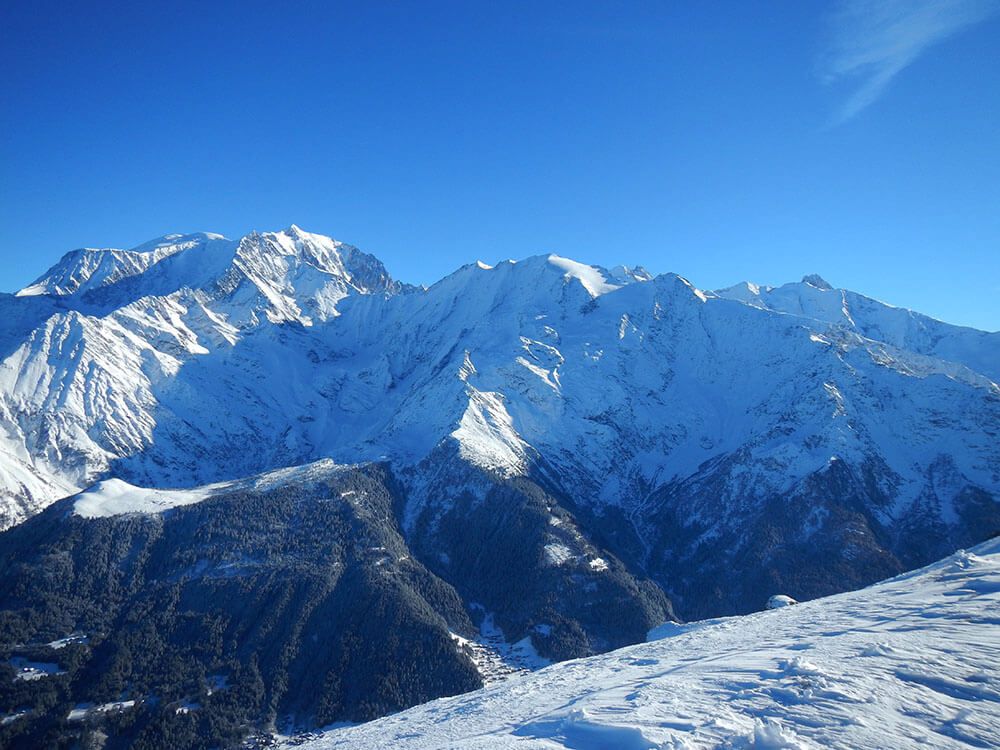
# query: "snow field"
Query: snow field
{"points": [[913, 661]]}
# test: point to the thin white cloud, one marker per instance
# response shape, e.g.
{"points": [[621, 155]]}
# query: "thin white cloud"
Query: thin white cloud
{"points": [[871, 41]]}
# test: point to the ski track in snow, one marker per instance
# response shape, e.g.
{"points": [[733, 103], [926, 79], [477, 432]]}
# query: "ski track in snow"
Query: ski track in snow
{"points": [[913, 661]]}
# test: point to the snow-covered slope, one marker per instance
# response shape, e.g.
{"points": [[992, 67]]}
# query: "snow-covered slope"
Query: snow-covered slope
{"points": [[687, 429], [112, 328], [912, 662], [114, 497], [87, 269], [814, 298], [576, 453]]}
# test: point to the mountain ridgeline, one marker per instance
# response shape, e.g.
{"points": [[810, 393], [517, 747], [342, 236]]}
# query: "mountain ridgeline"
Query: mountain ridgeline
{"points": [[312, 487]]}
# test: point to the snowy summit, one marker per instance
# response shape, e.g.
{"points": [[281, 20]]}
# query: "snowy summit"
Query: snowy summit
{"points": [[388, 494]]}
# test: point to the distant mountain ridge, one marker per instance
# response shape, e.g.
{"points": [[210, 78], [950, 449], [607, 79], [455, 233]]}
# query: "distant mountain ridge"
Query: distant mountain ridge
{"points": [[127, 357], [574, 450]]}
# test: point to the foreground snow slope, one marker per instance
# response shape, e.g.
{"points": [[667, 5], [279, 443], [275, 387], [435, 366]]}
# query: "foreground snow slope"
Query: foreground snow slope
{"points": [[913, 661]]}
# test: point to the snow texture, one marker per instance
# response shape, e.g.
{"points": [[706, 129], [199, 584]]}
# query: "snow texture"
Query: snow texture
{"points": [[195, 360], [113, 497], [911, 662]]}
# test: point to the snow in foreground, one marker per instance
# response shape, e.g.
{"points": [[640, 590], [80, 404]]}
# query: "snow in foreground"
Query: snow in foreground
{"points": [[914, 661]]}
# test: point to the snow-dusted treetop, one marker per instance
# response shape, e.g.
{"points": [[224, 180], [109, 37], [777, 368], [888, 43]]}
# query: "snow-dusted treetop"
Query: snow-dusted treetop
{"points": [[114, 497]]}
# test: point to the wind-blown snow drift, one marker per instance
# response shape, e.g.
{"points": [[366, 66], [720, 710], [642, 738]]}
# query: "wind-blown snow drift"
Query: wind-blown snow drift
{"points": [[910, 662]]}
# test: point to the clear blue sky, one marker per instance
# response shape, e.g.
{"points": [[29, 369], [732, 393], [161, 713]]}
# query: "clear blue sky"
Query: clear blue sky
{"points": [[723, 141]]}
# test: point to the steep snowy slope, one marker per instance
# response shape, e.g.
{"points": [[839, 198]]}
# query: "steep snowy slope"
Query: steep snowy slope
{"points": [[78, 388], [814, 298], [690, 428], [684, 430], [89, 269], [912, 662], [573, 452]]}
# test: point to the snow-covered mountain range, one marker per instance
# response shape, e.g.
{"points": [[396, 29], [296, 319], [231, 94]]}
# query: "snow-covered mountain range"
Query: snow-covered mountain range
{"points": [[678, 415], [525, 462]]}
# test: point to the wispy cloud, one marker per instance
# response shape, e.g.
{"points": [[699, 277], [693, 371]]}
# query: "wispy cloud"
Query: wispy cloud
{"points": [[871, 41]]}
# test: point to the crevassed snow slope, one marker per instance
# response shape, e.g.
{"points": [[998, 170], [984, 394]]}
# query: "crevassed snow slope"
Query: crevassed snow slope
{"points": [[911, 662]]}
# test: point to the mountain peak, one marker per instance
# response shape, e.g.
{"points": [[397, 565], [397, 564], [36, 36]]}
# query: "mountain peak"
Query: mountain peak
{"points": [[593, 278], [86, 269], [296, 232], [628, 274], [817, 282], [175, 240], [291, 273]]}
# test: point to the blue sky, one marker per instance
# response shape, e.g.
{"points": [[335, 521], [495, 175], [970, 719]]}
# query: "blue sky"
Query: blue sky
{"points": [[722, 141]]}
